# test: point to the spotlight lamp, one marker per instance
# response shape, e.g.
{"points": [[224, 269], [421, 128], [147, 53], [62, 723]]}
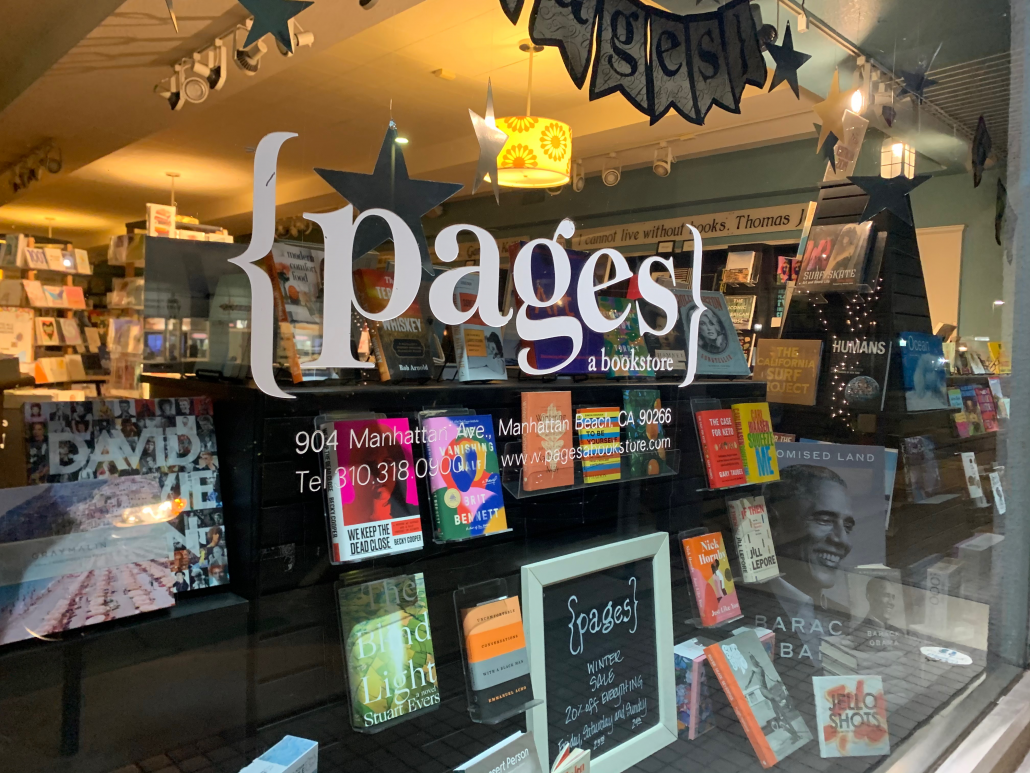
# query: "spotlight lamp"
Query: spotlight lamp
{"points": [[195, 87], [249, 59], [663, 159], [298, 37], [217, 61], [579, 182], [611, 172]]}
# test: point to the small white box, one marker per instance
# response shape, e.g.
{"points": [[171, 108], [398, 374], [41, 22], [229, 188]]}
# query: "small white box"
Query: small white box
{"points": [[290, 755]]}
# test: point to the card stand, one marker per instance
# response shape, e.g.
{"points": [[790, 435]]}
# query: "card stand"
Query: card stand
{"points": [[695, 618], [632, 467], [469, 598]]}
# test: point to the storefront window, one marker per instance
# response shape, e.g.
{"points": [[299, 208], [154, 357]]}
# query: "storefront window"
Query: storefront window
{"points": [[510, 386]]}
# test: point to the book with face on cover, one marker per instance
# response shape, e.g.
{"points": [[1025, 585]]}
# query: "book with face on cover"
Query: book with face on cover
{"points": [[835, 258], [709, 568], [758, 696], [971, 409], [924, 371], [751, 532], [388, 646], [498, 662], [465, 478], [547, 440], [851, 716]]}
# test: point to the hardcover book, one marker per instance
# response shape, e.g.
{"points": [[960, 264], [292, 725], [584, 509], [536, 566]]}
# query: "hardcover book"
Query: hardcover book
{"points": [[971, 408], [858, 371], [719, 351], [988, 412], [790, 369], [694, 711], [547, 440], [498, 663], [297, 271], [598, 430], [851, 716], [401, 345], [478, 348], [646, 445], [388, 645], [720, 449], [741, 309], [709, 568], [753, 537], [171, 442], [923, 368], [755, 437], [787, 269], [758, 696], [16, 328], [625, 343], [465, 478], [372, 505], [835, 257], [498, 758], [921, 469]]}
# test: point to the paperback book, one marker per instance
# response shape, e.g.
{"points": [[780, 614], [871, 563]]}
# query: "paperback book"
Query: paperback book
{"points": [[851, 716], [515, 754], [971, 409], [755, 437], [625, 343], [694, 711], [741, 309], [547, 440], [924, 371], [709, 568], [921, 469], [858, 371], [372, 507], [401, 345], [497, 659], [988, 412], [599, 444], [720, 448], [478, 347], [646, 449], [758, 696], [753, 537], [465, 478], [388, 646]]}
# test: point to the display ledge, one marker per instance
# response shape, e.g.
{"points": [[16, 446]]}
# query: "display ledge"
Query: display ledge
{"points": [[631, 467], [82, 380]]}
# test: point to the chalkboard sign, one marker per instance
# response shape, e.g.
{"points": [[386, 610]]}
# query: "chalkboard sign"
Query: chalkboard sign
{"points": [[599, 633]]}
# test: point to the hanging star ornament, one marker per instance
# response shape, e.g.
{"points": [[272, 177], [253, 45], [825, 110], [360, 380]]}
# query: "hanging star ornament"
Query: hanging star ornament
{"points": [[390, 188], [273, 16], [889, 194], [831, 110], [787, 62], [827, 150], [915, 81], [889, 114], [491, 140], [982, 145]]}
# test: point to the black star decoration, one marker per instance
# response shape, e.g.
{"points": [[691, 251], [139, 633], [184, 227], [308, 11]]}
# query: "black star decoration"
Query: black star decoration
{"points": [[889, 194], [390, 188], [787, 62], [273, 16], [916, 81], [827, 150]]}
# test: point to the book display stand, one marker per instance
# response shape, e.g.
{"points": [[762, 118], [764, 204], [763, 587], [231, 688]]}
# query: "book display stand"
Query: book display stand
{"points": [[494, 657]]}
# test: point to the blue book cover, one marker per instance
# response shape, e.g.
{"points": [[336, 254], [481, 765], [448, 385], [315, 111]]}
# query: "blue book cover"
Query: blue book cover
{"points": [[718, 347], [923, 367]]}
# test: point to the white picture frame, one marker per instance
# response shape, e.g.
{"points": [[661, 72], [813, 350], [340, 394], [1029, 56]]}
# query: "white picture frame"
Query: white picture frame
{"points": [[536, 577]]}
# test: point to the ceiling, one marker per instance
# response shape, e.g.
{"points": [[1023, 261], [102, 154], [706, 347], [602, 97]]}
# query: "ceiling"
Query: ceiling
{"points": [[95, 100]]}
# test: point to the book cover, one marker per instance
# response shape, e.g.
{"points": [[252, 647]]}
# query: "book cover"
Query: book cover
{"points": [[73, 557], [625, 343], [741, 309], [465, 478], [955, 397], [34, 293], [498, 663], [719, 351], [170, 440], [12, 253], [547, 440], [758, 696], [859, 367], [694, 711], [746, 339], [401, 345], [790, 369], [709, 568], [719, 446], [921, 469], [961, 423], [478, 347], [70, 332], [388, 646], [877, 604], [572, 761], [161, 220], [753, 537], [35, 259], [923, 368], [739, 264], [515, 754], [298, 272], [646, 448], [755, 437], [372, 497], [835, 257], [51, 370], [971, 408], [47, 333], [599, 430], [851, 716], [787, 269], [16, 329], [988, 412]]}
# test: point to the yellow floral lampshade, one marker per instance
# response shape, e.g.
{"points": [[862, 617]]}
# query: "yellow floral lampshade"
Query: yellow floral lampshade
{"points": [[538, 153]]}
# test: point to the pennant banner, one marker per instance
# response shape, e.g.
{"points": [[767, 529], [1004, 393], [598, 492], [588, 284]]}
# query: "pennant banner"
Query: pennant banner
{"points": [[658, 60]]}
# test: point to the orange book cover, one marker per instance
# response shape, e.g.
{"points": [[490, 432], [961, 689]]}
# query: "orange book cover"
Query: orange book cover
{"points": [[547, 440], [493, 629], [709, 567], [745, 715]]}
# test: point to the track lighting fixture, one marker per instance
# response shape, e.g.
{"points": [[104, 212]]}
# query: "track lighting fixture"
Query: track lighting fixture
{"points": [[578, 180], [663, 159], [611, 172], [195, 87], [30, 168], [298, 37], [249, 59]]}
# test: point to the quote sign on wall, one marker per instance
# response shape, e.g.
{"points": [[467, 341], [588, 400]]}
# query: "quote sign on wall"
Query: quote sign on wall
{"points": [[340, 228], [599, 635]]}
